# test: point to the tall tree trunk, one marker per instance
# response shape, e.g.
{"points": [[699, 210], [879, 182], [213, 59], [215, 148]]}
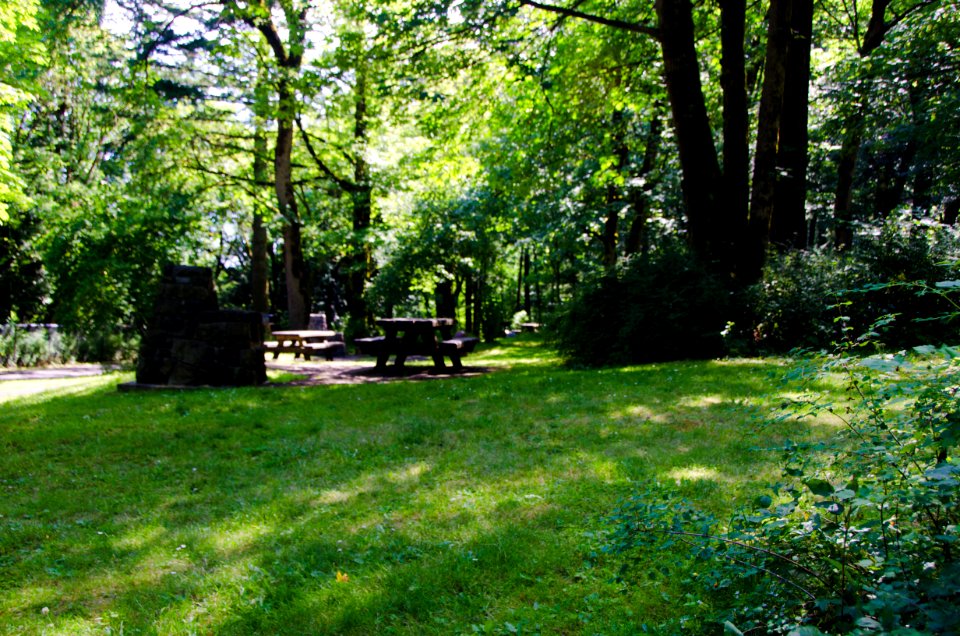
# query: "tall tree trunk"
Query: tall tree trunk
{"points": [[360, 262], [638, 238], [516, 305], [527, 305], [298, 308], [611, 225], [478, 301], [446, 301], [298, 300], [288, 57], [468, 294], [789, 223], [768, 133], [361, 259], [843, 195], [259, 263], [736, 125], [877, 28], [951, 211], [891, 178], [701, 177]]}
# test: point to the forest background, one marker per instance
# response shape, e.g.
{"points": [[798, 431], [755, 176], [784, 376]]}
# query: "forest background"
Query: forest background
{"points": [[654, 180]]}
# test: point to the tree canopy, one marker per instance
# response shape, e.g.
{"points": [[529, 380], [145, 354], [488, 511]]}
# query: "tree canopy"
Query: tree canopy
{"points": [[364, 158]]}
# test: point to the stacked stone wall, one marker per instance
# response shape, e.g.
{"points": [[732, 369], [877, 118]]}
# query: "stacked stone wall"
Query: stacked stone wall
{"points": [[190, 342]]}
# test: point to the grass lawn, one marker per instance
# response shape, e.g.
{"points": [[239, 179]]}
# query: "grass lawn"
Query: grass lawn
{"points": [[451, 506]]}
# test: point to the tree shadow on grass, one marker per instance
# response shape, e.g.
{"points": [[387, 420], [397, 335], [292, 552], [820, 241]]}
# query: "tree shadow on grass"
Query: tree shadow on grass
{"points": [[440, 504]]}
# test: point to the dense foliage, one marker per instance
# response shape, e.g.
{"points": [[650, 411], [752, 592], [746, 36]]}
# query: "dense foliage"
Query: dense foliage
{"points": [[807, 298], [859, 536], [480, 159], [662, 307]]}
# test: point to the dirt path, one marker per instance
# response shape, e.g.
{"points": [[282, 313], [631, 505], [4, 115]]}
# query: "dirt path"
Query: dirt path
{"points": [[51, 373], [349, 370], [352, 370]]}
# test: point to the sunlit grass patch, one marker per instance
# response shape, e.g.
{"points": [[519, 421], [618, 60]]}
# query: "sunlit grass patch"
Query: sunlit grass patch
{"points": [[43, 389], [401, 507]]}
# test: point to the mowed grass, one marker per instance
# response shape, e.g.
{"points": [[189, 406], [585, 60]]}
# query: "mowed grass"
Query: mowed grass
{"points": [[453, 506]]}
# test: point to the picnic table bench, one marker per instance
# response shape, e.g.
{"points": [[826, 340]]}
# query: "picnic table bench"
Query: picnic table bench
{"points": [[405, 337], [306, 343]]}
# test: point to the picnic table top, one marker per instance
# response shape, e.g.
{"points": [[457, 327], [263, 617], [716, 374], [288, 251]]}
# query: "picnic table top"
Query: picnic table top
{"points": [[415, 322], [304, 333]]}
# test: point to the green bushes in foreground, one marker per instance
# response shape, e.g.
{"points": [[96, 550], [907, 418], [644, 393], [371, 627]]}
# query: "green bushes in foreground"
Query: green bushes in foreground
{"points": [[861, 533]]}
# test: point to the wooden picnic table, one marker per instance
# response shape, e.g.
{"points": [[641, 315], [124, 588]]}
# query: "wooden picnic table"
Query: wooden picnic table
{"points": [[404, 337], [305, 342]]}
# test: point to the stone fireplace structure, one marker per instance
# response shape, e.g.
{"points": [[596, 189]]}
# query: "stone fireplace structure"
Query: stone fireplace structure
{"points": [[191, 342]]}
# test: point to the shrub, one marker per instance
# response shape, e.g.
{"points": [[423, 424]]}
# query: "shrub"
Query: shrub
{"points": [[663, 308], [862, 534], [804, 295], [796, 303], [22, 347]]}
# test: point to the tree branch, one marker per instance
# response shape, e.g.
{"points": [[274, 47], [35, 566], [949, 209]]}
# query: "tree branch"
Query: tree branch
{"points": [[345, 184], [622, 25]]}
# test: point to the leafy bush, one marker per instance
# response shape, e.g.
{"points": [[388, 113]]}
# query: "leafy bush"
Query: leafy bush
{"points": [[103, 345], [21, 347], [662, 308], [796, 303], [862, 534], [803, 295]]}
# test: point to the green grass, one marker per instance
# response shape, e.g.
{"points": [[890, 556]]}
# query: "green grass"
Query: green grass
{"points": [[447, 506]]}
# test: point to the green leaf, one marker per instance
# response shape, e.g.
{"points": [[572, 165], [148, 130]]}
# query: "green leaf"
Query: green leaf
{"points": [[819, 487]]}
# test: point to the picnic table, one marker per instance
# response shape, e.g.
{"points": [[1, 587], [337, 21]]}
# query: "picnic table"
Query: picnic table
{"points": [[404, 337], [306, 342]]}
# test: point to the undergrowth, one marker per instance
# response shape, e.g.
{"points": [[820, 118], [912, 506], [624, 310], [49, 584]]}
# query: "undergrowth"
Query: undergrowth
{"points": [[860, 534]]}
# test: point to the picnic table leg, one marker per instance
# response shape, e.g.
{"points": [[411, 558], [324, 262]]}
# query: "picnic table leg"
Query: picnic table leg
{"points": [[438, 360], [389, 344], [455, 361]]}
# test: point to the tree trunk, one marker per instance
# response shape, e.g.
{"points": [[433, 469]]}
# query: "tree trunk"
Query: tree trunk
{"points": [[288, 58], [446, 299], [298, 308], [789, 223], [517, 305], [951, 211], [877, 29], [611, 225], [468, 294], [298, 299], [768, 132], [361, 259], [701, 177], [527, 305], [478, 305], [736, 125], [259, 263], [843, 196], [638, 238]]}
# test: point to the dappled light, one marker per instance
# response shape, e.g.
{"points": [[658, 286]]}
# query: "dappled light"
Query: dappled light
{"points": [[489, 318], [401, 503]]}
